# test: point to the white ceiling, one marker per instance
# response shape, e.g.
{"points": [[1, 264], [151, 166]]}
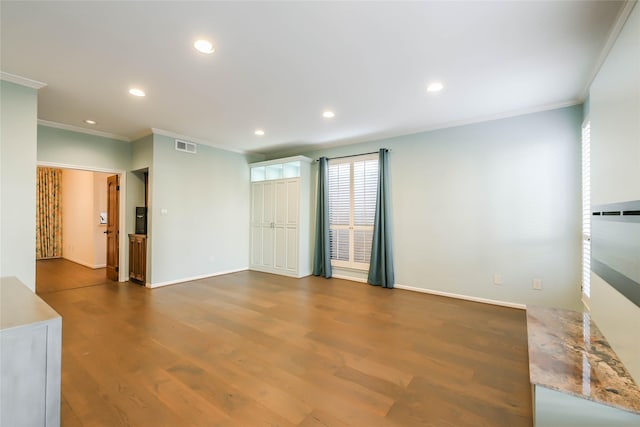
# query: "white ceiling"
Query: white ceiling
{"points": [[279, 65]]}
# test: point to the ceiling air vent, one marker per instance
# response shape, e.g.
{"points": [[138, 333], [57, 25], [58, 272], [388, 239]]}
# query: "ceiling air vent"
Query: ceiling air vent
{"points": [[187, 147]]}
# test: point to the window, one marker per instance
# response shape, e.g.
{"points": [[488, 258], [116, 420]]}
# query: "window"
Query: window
{"points": [[586, 210], [353, 183]]}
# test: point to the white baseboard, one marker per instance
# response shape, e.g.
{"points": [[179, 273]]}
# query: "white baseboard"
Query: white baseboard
{"points": [[189, 279], [278, 271], [463, 297], [85, 264]]}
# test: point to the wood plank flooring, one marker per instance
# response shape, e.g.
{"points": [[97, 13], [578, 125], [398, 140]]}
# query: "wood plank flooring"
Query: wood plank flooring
{"points": [[58, 274], [253, 349]]}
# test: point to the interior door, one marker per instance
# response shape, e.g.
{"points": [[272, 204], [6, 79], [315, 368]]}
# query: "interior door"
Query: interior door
{"points": [[267, 225], [279, 220], [113, 226]]}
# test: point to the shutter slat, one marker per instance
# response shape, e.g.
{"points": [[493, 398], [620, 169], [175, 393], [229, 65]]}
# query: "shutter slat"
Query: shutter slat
{"points": [[353, 185], [586, 209]]}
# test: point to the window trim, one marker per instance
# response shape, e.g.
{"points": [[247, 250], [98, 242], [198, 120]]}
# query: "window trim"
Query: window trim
{"points": [[351, 265], [586, 210]]}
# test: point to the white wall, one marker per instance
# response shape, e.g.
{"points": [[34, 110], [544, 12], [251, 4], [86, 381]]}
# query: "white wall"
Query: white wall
{"points": [[84, 196], [82, 151], [199, 212], [205, 231], [142, 161], [79, 149], [18, 141], [494, 197], [77, 215], [99, 205], [615, 165]]}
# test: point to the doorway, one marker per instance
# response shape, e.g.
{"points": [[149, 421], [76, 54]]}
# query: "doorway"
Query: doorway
{"points": [[86, 223]]}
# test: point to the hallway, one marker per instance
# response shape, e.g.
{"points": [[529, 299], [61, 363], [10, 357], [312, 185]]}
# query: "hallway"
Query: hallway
{"points": [[59, 274]]}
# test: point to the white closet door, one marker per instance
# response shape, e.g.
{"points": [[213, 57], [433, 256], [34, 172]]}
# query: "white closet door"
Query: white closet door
{"points": [[280, 203], [267, 246], [268, 204], [280, 248], [293, 207], [292, 249], [293, 202], [279, 225], [267, 225], [275, 222]]}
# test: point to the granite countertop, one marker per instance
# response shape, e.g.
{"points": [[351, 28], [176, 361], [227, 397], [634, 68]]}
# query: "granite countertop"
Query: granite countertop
{"points": [[568, 353]]}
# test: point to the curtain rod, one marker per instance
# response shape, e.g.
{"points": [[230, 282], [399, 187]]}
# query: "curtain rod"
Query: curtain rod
{"points": [[355, 155]]}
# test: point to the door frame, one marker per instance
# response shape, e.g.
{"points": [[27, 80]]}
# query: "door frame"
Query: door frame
{"points": [[123, 273]]}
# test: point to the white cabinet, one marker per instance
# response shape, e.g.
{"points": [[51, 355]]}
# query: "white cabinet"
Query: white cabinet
{"points": [[280, 210], [30, 366]]}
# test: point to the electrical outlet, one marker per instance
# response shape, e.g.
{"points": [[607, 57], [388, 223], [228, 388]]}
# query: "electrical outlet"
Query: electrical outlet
{"points": [[497, 279], [537, 284]]}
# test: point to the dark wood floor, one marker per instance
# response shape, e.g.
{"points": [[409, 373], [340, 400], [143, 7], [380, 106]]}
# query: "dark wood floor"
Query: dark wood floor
{"points": [[59, 274], [253, 349]]}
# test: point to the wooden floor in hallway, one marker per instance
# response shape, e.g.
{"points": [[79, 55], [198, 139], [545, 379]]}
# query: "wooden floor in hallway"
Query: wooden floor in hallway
{"points": [[254, 349], [58, 274]]}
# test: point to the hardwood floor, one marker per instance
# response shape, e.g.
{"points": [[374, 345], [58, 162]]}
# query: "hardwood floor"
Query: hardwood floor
{"points": [[59, 274], [253, 349]]}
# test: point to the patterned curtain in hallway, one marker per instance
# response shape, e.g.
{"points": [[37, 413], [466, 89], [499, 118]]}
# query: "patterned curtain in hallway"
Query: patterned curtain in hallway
{"points": [[48, 214]]}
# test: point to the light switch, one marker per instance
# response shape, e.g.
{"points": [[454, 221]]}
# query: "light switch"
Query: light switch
{"points": [[537, 284]]}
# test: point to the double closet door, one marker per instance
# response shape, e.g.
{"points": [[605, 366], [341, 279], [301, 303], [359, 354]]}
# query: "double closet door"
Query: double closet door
{"points": [[275, 226]]}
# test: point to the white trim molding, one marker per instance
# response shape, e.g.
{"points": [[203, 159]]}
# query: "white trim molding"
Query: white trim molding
{"points": [[621, 19], [440, 293], [79, 167], [85, 264], [79, 129], [463, 297], [189, 279], [123, 252], [22, 81]]}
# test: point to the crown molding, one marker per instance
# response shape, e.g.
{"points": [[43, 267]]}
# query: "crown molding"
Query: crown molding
{"points": [[79, 129], [22, 81], [144, 132], [623, 15], [201, 141]]}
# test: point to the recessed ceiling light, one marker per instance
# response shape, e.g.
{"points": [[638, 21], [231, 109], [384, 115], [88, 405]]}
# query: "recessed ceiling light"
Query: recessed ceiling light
{"points": [[204, 46], [136, 92], [90, 122], [328, 114], [259, 132], [435, 87]]}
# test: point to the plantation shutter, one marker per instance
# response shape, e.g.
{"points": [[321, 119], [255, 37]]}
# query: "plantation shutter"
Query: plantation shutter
{"points": [[586, 209], [352, 203]]}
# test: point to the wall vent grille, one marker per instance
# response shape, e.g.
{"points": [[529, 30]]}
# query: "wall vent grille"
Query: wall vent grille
{"points": [[187, 147]]}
